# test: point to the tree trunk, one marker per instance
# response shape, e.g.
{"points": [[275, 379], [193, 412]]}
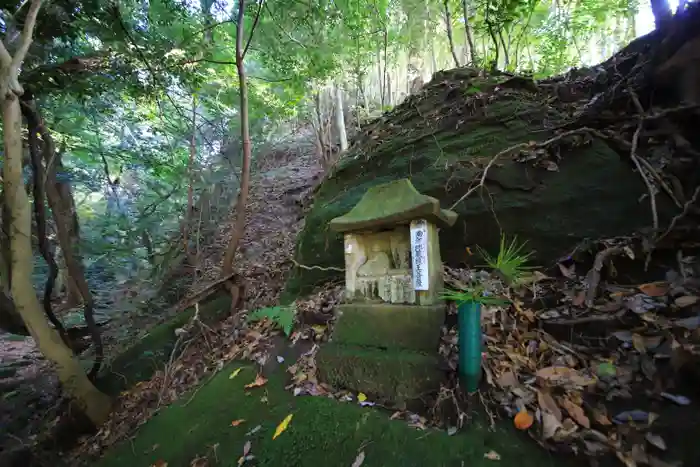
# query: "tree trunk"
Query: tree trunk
{"points": [[41, 235], [340, 119], [242, 201], [494, 64], [62, 206], [662, 13], [190, 189], [89, 400], [468, 31], [448, 24], [506, 61]]}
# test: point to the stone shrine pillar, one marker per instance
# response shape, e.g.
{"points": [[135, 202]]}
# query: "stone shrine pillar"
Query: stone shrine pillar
{"points": [[385, 341]]}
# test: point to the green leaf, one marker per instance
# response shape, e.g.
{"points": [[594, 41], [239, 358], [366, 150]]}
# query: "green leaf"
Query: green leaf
{"points": [[283, 316]]}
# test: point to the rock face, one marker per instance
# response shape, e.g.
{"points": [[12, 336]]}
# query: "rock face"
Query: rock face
{"points": [[443, 138]]}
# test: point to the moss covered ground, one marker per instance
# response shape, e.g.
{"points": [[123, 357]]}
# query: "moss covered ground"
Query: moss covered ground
{"points": [[142, 359], [322, 432]]}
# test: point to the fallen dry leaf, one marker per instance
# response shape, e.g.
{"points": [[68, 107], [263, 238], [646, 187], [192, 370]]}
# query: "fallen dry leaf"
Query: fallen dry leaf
{"points": [[284, 424], [550, 425], [359, 459], [579, 298], [547, 403], [235, 373], [601, 417], [570, 272], [199, 462], [246, 451], [507, 379], [160, 463], [656, 440], [654, 289], [237, 422], [562, 376], [361, 397], [568, 428], [686, 301], [492, 456], [260, 380], [576, 412]]}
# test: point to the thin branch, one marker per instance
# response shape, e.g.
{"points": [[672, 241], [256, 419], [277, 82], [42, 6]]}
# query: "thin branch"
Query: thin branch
{"points": [[207, 28], [661, 181], [252, 30], [635, 159], [291, 38], [679, 217], [26, 39]]}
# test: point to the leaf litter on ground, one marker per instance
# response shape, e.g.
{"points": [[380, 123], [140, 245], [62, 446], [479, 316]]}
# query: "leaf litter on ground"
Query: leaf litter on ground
{"points": [[569, 385]]}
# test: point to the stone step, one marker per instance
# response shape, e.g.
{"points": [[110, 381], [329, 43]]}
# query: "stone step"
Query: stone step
{"points": [[390, 326], [384, 375]]}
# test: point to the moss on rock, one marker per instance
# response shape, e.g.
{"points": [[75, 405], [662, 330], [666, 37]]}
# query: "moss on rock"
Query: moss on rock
{"points": [[390, 326], [441, 140], [396, 376]]}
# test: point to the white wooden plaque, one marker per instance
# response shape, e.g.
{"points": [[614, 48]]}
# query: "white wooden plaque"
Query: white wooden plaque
{"points": [[419, 254]]}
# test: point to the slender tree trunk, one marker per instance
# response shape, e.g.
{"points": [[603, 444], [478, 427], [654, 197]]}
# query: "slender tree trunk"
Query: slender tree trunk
{"points": [[387, 89], [190, 189], [242, 201], [65, 218], [448, 24], [340, 119], [468, 31], [5, 257], [380, 75], [506, 60], [494, 65], [41, 235], [92, 402]]}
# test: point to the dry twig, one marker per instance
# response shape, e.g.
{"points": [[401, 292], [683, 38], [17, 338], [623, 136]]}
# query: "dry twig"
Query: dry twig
{"points": [[593, 276], [635, 159], [679, 217]]}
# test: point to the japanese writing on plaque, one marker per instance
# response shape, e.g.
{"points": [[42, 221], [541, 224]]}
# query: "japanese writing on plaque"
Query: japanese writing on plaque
{"points": [[419, 254]]}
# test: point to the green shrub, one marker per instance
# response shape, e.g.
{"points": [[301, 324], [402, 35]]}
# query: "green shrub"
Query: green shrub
{"points": [[283, 316]]}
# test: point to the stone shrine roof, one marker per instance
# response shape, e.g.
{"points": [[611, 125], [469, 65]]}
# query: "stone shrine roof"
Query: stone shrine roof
{"points": [[391, 204]]}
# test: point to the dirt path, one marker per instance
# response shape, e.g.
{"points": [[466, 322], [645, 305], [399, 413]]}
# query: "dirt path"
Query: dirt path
{"points": [[282, 182]]}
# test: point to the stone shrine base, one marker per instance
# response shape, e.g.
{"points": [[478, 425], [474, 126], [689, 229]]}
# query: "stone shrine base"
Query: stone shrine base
{"points": [[387, 351]]}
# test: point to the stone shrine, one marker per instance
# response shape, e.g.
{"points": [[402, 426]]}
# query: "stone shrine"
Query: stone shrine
{"points": [[385, 341]]}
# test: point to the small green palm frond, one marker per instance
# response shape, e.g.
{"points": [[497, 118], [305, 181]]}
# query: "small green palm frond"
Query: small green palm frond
{"points": [[283, 316], [511, 258], [475, 294]]}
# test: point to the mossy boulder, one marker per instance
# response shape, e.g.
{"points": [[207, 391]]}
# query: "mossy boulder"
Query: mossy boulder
{"points": [[442, 138]]}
